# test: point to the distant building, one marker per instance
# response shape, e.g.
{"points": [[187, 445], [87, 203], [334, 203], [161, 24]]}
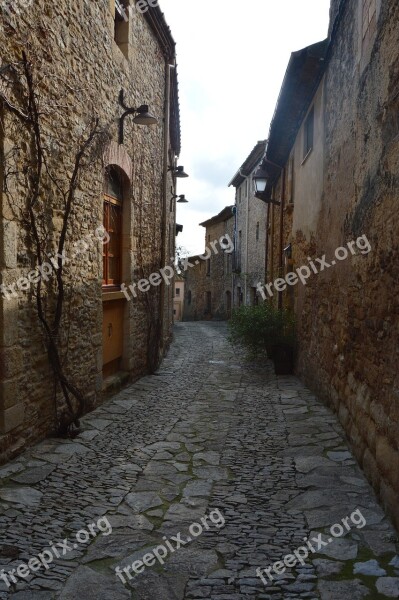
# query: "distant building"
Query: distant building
{"points": [[209, 281], [251, 219], [178, 298]]}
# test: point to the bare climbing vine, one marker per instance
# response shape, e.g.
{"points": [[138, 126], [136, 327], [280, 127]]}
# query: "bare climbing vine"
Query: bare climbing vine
{"points": [[40, 182]]}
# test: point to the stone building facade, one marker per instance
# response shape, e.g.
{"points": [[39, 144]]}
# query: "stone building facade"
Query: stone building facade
{"points": [[81, 56], [336, 134], [178, 299], [250, 231], [209, 276]]}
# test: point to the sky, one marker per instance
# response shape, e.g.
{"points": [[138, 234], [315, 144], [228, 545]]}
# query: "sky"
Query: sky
{"points": [[231, 56]]}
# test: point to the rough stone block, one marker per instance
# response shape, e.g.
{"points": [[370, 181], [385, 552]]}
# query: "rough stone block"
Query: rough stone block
{"points": [[367, 429], [8, 394], [8, 321], [358, 443], [11, 362], [388, 461], [343, 415], [12, 418], [389, 499], [371, 469], [8, 244]]}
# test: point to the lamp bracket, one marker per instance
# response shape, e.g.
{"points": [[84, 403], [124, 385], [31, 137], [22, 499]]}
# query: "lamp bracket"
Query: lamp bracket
{"points": [[128, 111]]}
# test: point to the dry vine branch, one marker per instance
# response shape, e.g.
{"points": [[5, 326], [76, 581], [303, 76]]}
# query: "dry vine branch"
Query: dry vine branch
{"points": [[20, 82], [150, 300]]}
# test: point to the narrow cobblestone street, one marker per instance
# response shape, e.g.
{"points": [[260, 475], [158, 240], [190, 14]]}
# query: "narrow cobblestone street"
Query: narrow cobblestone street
{"points": [[208, 435]]}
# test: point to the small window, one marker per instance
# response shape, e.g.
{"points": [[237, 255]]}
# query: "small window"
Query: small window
{"points": [[308, 134], [257, 231], [369, 25], [121, 26], [369, 16]]}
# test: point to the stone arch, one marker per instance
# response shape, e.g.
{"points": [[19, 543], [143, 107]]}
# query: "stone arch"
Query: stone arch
{"points": [[116, 154]]}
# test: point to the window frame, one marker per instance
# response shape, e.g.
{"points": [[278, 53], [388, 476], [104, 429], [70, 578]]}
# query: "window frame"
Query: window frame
{"points": [[107, 283], [121, 33]]}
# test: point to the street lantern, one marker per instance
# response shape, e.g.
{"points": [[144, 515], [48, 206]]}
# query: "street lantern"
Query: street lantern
{"points": [[260, 181]]}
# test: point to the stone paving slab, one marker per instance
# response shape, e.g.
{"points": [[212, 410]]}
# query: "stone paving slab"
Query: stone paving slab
{"points": [[236, 469]]}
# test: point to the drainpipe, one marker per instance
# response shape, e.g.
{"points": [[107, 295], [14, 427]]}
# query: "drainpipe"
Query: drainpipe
{"points": [[234, 258], [272, 239], [165, 207], [246, 253], [267, 240], [281, 249]]}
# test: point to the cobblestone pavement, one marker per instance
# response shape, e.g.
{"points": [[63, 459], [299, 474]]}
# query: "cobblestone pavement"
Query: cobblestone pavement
{"points": [[209, 437]]}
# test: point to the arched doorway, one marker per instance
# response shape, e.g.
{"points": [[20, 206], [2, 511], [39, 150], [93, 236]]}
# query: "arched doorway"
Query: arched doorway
{"points": [[116, 192]]}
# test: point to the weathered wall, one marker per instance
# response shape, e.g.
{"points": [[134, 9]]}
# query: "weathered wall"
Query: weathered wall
{"points": [[308, 172], [86, 70], [348, 315], [250, 212], [217, 281], [196, 282], [274, 244]]}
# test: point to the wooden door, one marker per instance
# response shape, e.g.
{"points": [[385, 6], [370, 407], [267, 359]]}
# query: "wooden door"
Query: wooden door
{"points": [[112, 336]]}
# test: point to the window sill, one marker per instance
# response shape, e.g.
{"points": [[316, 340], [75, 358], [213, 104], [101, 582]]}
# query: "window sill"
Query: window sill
{"points": [[307, 156], [115, 295], [119, 55]]}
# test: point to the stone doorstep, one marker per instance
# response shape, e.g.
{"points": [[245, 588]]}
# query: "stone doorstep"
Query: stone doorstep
{"points": [[115, 383]]}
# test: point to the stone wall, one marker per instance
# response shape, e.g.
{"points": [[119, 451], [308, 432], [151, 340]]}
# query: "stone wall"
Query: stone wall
{"points": [[72, 45], [348, 314], [349, 322], [213, 277]]}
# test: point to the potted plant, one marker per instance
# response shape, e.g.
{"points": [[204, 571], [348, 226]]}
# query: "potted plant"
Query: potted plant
{"points": [[283, 344], [265, 330]]}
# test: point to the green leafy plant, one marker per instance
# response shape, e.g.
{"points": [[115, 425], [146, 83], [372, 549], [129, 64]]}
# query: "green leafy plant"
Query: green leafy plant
{"points": [[262, 328]]}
